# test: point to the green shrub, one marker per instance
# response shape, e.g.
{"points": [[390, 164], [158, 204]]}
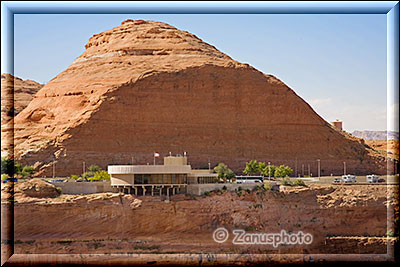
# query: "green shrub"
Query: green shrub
{"points": [[4, 176], [224, 187], [286, 181], [59, 190], [94, 168], [257, 205], [100, 176], [7, 166], [248, 191], [299, 182], [17, 168], [87, 175], [268, 186], [11, 167], [27, 171], [249, 228], [390, 233], [75, 177], [207, 194]]}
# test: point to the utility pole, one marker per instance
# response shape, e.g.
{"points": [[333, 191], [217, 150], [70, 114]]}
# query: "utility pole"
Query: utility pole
{"points": [[295, 168], [83, 166], [269, 170], [309, 172], [302, 170], [54, 168], [344, 168], [319, 168]]}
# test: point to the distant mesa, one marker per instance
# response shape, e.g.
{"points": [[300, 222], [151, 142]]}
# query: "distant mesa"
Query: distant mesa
{"points": [[376, 135], [146, 86]]}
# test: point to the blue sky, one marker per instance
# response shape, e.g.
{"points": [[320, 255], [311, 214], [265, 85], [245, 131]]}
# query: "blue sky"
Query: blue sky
{"points": [[337, 63]]}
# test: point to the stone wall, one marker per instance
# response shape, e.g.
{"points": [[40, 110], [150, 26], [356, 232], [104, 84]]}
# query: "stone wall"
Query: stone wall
{"points": [[76, 188]]}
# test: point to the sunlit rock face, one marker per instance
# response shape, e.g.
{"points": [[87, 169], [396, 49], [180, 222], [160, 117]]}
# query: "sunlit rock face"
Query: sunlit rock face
{"points": [[146, 86]]}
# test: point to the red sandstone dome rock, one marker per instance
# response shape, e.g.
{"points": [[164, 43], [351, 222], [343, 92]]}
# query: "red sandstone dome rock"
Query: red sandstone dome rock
{"points": [[17, 92], [146, 86]]}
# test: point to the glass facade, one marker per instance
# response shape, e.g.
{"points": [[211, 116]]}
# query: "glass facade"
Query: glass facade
{"points": [[207, 180], [160, 178]]}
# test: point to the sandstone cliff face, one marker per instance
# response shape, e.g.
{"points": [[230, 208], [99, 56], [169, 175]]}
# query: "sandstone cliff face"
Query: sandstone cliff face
{"points": [[17, 90], [15, 96], [146, 86], [155, 226]]}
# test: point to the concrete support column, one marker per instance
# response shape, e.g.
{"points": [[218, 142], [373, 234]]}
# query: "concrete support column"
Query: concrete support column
{"points": [[144, 190], [152, 190], [135, 190]]}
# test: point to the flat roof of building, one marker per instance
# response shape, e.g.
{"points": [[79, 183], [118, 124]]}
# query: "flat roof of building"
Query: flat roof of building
{"points": [[149, 169]]}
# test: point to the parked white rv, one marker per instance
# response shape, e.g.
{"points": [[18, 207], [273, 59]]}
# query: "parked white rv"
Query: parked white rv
{"points": [[372, 178], [349, 178]]}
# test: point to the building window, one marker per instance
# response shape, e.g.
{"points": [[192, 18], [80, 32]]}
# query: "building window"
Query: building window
{"points": [[138, 178]]}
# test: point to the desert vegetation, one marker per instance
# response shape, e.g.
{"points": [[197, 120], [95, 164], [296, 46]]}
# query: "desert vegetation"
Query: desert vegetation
{"points": [[224, 172], [253, 167], [10, 168], [95, 173]]}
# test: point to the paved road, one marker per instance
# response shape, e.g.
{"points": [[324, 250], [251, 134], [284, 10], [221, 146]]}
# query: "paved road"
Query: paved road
{"points": [[391, 179]]}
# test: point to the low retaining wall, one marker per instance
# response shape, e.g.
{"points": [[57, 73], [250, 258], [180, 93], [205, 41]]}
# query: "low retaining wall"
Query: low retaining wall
{"points": [[200, 189], [77, 188]]}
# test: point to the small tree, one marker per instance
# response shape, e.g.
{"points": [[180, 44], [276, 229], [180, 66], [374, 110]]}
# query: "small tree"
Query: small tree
{"points": [[75, 177], [261, 166], [230, 175], [224, 172], [252, 167], [268, 171], [221, 169], [7, 166], [94, 168], [283, 171]]}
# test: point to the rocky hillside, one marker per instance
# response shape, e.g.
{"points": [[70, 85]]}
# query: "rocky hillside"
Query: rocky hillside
{"points": [[17, 90], [388, 148], [115, 223], [146, 86], [376, 135]]}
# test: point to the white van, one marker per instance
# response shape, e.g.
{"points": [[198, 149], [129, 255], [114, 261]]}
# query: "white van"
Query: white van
{"points": [[349, 178], [372, 178]]}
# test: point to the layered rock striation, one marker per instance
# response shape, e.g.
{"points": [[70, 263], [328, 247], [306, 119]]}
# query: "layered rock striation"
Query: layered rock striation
{"points": [[15, 95], [146, 86]]}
